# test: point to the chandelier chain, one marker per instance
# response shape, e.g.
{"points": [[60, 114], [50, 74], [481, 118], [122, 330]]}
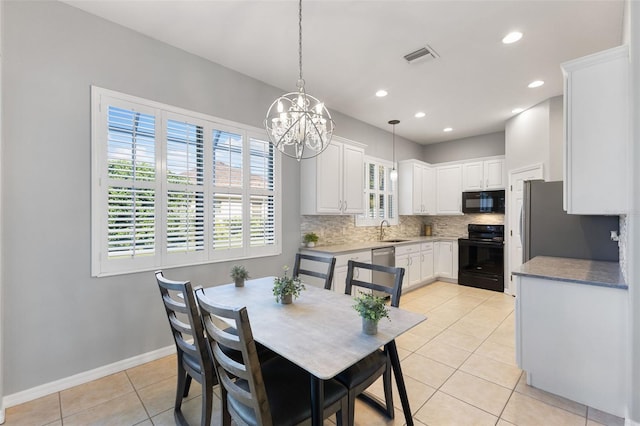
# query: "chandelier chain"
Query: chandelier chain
{"points": [[300, 38]]}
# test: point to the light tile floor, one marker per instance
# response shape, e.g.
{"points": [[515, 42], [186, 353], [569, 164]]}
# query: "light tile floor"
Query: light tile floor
{"points": [[459, 368]]}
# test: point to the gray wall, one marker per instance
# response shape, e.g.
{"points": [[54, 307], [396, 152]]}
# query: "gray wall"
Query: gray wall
{"points": [[58, 320], [379, 142], [535, 136], [464, 149]]}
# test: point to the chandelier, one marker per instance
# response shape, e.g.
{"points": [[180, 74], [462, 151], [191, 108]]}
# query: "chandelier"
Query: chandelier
{"points": [[298, 124]]}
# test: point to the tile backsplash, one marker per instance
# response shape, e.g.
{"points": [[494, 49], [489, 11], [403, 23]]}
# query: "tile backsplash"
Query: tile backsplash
{"points": [[342, 229]]}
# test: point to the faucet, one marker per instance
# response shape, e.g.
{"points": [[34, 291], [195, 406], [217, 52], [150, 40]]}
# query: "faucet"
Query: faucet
{"points": [[382, 230]]}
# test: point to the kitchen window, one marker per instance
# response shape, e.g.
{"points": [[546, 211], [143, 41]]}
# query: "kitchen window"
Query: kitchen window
{"points": [[172, 187], [380, 194]]}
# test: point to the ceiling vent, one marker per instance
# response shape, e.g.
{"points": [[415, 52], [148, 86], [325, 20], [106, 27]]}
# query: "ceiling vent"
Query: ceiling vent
{"points": [[426, 52]]}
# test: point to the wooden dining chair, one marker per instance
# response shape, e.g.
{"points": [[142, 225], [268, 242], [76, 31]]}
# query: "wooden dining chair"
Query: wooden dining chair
{"points": [[365, 372], [275, 392], [303, 263], [194, 359]]}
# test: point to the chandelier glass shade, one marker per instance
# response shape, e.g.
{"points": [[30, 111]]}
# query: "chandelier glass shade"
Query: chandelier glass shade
{"points": [[298, 124]]}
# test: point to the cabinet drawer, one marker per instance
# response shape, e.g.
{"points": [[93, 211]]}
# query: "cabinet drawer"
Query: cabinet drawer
{"points": [[360, 256], [426, 246], [407, 249]]}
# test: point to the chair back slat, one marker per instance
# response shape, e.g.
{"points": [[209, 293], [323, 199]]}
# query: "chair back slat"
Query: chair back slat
{"points": [[233, 374], [327, 275], [394, 292]]}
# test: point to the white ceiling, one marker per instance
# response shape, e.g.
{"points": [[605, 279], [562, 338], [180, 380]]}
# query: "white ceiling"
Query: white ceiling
{"points": [[353, 48]]}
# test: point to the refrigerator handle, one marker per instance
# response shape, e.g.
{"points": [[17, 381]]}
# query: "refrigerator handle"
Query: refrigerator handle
{"points": [[521, 224]]}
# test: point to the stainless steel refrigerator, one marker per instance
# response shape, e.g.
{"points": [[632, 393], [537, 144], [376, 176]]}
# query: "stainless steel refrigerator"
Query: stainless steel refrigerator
{"points": [[547, 230]]}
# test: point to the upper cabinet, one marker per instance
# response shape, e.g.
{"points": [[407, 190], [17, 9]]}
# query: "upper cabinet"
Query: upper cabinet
{"points": [[597, 133], [416, 188], [333, 182], [483, 175], [449, 189]]}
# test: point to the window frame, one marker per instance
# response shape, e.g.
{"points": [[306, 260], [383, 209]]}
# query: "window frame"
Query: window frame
{"points": [[362, 219], [101, 264]]}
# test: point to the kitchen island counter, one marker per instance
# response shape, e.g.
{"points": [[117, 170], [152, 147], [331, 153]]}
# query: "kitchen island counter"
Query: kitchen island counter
{"points": [[581, 271]]}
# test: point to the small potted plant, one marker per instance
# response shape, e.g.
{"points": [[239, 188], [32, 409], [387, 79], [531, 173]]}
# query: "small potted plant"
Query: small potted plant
{"points": [[310, 239], [285, 288], [372, 309], [239, 273]]}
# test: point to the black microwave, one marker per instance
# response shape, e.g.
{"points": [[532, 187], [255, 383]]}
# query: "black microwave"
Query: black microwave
{"points": [[483, 202]]}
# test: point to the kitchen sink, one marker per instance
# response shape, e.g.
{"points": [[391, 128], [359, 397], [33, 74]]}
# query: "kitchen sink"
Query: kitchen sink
{"points": [[394, 241]]}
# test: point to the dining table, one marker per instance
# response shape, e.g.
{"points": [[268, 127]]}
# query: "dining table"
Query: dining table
{"points": [[319, 332]]}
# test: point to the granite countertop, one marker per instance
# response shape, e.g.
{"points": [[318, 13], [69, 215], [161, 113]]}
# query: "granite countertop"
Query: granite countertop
{"points": [[581, 271], [336, 249]]}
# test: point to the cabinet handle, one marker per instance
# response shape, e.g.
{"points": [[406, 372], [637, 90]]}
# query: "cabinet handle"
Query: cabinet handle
{"points": [[340, 205], [345, 206], [486, 185]]}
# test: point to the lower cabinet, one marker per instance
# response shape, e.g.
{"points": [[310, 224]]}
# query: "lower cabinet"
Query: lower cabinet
{"points": [[571, 340], [340, 271], [408, 257], [446, 259], [426, 262]]}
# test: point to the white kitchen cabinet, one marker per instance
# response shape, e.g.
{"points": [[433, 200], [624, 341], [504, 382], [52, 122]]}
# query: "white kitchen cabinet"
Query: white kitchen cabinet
{"points": [[483, 175], [416, 188], [426, 261], [571, 340], [449, 189], [340, 271], [597, 133], [408, 257], [333, 182], [446, 259]]}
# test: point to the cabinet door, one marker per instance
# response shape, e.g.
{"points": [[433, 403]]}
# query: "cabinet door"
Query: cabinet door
{"points": [[449, 189], [353, 180], [494, 174], [414, 270], [339, 279], [428, 190], [402, 261], [597, 133], [426, 262], [473, 176], [329, 180], [417, 203], [444, 262]]}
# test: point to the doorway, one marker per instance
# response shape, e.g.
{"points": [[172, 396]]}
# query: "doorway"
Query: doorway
{"points": [[514, 202]]}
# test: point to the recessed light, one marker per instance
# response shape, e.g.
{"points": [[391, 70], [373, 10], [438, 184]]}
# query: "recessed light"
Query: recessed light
{"points": [[512, 37], [381, 93], [535, 84], [517, 110], [419, 114], [447, 129]]}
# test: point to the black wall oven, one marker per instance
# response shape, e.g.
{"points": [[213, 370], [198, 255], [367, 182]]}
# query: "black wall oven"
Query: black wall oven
{"points": [[481, 257], [483, 202]]}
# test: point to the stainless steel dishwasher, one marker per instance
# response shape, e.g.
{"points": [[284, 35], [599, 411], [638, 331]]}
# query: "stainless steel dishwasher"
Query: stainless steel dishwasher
{"points": [[385, 256]]}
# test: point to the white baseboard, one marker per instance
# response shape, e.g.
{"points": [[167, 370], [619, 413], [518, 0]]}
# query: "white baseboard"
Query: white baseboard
{"points": [[85, 377]]}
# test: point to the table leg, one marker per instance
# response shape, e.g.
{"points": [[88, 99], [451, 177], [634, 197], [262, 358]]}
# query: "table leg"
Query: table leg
{"points": [[397, 372], [317, 400]]}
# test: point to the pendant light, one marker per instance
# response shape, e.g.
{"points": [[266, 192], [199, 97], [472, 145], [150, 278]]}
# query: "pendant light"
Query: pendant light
{"points": [[298, 124], [393, 174]]}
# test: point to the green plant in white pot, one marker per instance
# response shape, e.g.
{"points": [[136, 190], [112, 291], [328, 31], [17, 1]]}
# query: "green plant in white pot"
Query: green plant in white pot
{"points": [[239, 273], [310, 239], [286, 288], [372, 309]]}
